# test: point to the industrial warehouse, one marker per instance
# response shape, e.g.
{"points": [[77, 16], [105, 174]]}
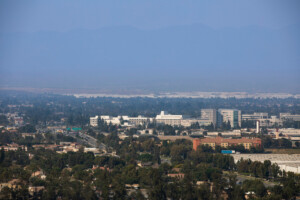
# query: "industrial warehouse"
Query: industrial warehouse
{"points": [[286, 162]]}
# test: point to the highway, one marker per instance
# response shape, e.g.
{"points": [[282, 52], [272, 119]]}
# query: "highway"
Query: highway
{"points": [[82, 138]]}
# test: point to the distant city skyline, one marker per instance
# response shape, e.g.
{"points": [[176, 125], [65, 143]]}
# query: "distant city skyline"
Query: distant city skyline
{"points": [[170, 46]]}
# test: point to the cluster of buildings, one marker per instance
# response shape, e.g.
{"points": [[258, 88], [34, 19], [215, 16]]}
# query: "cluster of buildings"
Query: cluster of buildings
{"points": [[63, 147], [13, 147], [208, 116], [124, 120], [267, 121], [15, 184], [15, 118]]}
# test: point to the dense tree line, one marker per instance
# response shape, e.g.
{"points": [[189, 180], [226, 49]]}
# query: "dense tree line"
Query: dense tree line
{"points": [[3, 120], [268, 142], [258, 169], [70, 176], [47, 108]]}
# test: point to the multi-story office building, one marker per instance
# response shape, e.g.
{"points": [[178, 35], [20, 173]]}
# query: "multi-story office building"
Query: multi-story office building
{"points": [[210, 115], [255, 116], [94, 121], [165, 118], [232, 115]]}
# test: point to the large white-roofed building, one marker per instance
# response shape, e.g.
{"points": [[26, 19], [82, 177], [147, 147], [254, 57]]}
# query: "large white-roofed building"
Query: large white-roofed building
{"points": [[165, 118]]}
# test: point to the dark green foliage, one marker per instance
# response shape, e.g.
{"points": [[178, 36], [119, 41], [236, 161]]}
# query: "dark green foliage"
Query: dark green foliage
{"points": [[158, 187], [2, 156], [28, 128], [248, 124], [145, 157], [6, 138], [3, 120], [258, 169], [268, 142], [65, 138], [167, 129], [289, 123], [18, 157], [255, 186]]}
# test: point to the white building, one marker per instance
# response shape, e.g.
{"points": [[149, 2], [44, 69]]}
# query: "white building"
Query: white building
{"points": [[255, 116], [140, 120], [127, 121], [94, 121], [232, 115], [234, 133], [165, 118], [111, 120], [289, 132], [268, 122], [201, 122], [95, 151], [274, 120]]}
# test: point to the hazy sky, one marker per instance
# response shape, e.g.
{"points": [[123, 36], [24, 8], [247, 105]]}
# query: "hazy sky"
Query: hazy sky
{"points": [[152, 45]]}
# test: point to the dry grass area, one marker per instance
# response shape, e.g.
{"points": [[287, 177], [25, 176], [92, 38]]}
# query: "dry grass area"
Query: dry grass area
{"points": [[283, 151]]}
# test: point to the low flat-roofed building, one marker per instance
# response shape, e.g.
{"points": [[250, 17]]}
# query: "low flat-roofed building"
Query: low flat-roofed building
{"points": [[201, 122], [13, 147], [174, 137], [286, 131], [95, 151], [234, 133], [12, 184], [35, 189], [255, 116], [24, 135], [139, 120], [224, 142], [272, 121], [178, 175], [146, 131], [287, 116]]}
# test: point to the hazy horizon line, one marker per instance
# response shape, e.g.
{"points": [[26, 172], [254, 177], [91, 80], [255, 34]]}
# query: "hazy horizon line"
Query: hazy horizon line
{"points": [[87, 93]]}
